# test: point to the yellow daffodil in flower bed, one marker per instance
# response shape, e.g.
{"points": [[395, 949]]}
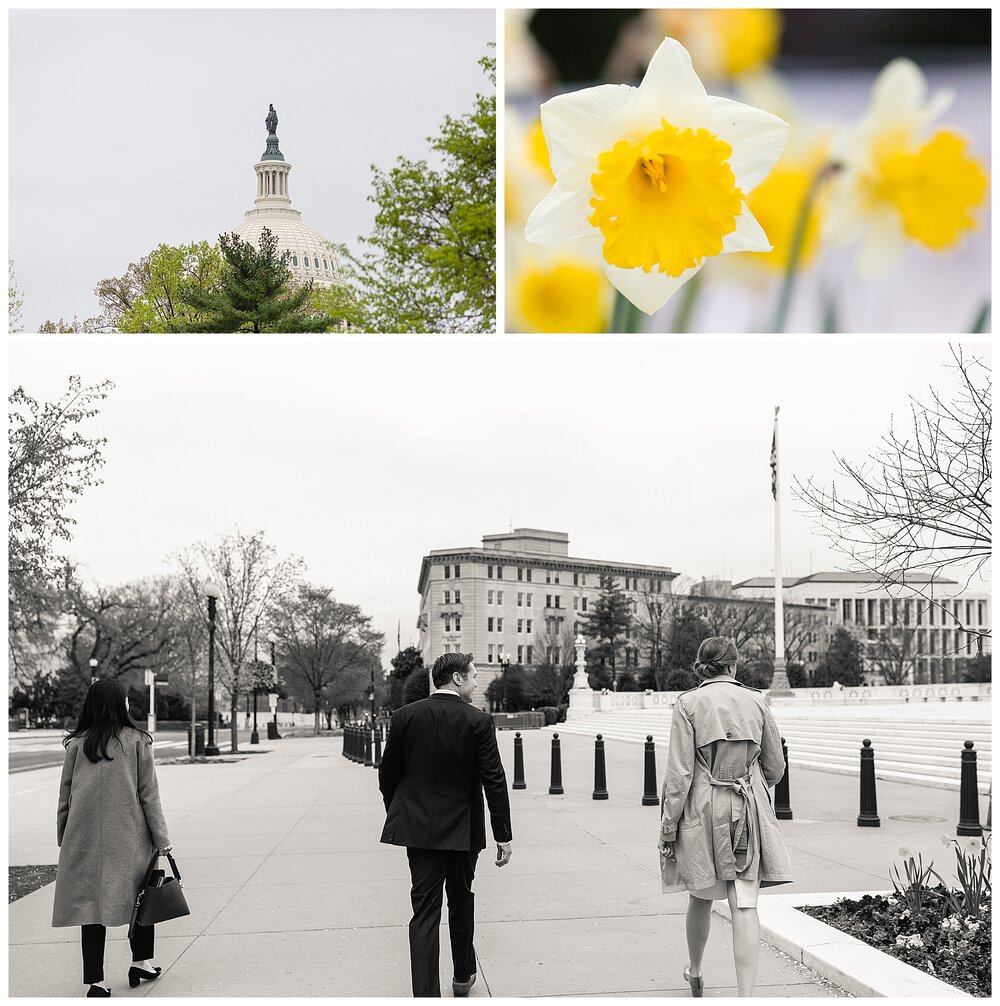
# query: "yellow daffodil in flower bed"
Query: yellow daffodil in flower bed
{"points": [[897, 185], [655, 177], [568, 294]]}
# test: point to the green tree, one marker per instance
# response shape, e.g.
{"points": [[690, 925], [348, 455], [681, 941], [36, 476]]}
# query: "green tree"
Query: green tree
{"points": [[842, 661], [149, 297], [608, 620], [418, 686], [684, 636], [430, 262], [979, 668], [403, 665], [254, 292], [15, 301]]}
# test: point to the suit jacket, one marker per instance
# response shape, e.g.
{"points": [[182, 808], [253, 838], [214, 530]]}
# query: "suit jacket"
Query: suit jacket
{"points": [[440, 756]]}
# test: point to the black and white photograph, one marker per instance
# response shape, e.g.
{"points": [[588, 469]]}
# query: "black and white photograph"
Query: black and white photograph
{"points": [[667, 663]]}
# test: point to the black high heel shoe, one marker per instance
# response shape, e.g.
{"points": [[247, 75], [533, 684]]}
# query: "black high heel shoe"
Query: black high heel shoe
{"points": [[135, 974], [98, 991]]}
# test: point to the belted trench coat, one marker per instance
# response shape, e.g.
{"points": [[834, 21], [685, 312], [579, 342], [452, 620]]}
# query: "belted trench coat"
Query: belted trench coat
{"points": [[716, 808]]}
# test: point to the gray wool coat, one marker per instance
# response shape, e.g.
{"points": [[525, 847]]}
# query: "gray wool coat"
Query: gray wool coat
{"points": [[108, 824], [724, 754]]}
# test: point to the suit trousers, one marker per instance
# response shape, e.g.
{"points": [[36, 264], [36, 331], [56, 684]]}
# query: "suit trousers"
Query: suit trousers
{"points": [[430, 871], [93, 937]]}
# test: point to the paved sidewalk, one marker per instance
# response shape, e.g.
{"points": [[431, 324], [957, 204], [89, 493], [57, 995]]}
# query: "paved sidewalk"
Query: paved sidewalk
{"points": [[292, 894]]}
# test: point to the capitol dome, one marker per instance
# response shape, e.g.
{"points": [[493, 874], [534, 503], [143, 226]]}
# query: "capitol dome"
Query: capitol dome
{"points": [[312, 257]]}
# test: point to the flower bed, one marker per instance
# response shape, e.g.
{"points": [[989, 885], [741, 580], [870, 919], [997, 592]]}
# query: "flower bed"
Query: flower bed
{"points": [[951, 947]]}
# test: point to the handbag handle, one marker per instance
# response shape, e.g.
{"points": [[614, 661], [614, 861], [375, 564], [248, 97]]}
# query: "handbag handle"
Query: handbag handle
{"points": [[152, 866]]}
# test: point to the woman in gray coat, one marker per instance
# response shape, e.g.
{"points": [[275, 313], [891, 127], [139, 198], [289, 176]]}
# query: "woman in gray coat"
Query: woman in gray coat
{"points": [[108, 825], [719, 837]]}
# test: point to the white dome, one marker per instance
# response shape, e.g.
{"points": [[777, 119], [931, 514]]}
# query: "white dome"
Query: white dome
{"points": [[312, 257]]}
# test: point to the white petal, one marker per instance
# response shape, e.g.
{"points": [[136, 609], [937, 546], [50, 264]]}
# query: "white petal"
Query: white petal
{"points": [[582, 124], [899, 98], [649, 291], [757, 138], [749, 236], [670, 90], [883, 243], [562, 214]]}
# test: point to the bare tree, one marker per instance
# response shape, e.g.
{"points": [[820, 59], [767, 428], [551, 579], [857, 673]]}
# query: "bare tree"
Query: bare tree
{"points": [[324, 641], [893, 653], [918, 510], [253, 579]]}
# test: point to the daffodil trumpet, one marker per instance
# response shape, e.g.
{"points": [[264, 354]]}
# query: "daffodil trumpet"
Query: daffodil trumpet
{"points": [[654, 178], [798, 243]]}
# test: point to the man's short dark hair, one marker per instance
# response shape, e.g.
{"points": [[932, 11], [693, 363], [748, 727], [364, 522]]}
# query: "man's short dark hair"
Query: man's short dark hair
{"points": [[447, 664]]}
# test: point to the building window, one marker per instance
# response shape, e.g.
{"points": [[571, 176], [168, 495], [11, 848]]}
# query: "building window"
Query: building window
{"points": [[458, 597], [520, 654], [499, 625], [982, 612], [447, 625], [548, 576], [458, 623], [548, 600], [527, 628], [295, 260], [489, 597], [530, 649], [305, 261], [447, 597], [520, 600], [576, 628], [520, 573], [556, 655], [458, 572], [447, 572], [528, 605], [576, 604], [489, 572], [845, 614], [489, 654], [528, 578], [859, 611], [325, 266], [557, 576], [499, 572], [489, 624], [499, 597], [576, 579], [520, 625], [583, 579], [558, 600], [584, 605]]}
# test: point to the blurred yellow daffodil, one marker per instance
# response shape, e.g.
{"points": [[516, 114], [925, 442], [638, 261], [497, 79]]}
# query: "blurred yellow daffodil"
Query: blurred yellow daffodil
{"points": [[565, 293], [655, 177], [896, 185]]}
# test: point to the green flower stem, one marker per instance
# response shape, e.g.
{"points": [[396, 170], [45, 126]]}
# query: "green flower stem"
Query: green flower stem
{"points": [[687, 299], [979, 325], [626, 318], [798, 241]]}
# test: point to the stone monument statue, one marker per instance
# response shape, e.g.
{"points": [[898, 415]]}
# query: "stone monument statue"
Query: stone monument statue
{"points": [[272, 120]]}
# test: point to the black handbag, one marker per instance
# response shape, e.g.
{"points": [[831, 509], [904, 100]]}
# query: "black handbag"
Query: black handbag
{"points": [[160, 898]]}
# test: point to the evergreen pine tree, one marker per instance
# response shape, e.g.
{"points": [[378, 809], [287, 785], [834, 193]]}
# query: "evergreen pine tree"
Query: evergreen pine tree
{"points": [[608, 620], [254, 293]]}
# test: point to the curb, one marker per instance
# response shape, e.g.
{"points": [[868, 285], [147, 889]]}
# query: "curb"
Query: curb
{"points": [[854, 966]]}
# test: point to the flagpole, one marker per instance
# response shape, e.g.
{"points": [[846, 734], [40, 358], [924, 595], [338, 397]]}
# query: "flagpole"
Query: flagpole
{"points": [[779, 681]]}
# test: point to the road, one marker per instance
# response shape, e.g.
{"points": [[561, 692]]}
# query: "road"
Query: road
{"points": [[32, 749]]}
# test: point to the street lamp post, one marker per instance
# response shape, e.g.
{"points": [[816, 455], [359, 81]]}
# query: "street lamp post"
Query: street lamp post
{"points": [[254, 736], [272, 638], [504, 659], [213, 593]]}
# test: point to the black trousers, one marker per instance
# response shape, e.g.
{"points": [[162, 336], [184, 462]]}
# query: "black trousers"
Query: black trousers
{"points": [[430, 871], [93, 950]]}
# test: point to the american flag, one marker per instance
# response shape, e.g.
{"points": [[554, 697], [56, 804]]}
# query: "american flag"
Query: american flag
{"points": [[774, 455]]}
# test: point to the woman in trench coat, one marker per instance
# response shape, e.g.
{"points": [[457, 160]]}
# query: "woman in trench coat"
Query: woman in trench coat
{"points": [[719, 837], [108, 826]]}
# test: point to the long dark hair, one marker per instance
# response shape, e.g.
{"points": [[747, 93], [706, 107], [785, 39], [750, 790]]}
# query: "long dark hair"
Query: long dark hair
{"points": [[102, 719]]}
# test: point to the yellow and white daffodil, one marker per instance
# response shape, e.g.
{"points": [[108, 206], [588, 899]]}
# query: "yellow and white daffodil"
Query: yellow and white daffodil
{"points": [[896, 185], [655, 176]]}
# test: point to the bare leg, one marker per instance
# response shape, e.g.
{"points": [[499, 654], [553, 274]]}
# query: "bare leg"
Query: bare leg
{"points": [[746, 943], [699, 921]]}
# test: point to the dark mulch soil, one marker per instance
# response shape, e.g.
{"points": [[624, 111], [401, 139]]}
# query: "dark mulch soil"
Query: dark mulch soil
{"points": [[962, 958], [201, 760], [23, 880]]}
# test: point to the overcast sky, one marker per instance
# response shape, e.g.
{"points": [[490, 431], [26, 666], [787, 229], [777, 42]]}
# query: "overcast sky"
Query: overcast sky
{"points": [[362, 458], [132, 128]]}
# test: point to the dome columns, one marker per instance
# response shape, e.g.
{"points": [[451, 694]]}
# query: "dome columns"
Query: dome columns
{"points": [[272, 183]]}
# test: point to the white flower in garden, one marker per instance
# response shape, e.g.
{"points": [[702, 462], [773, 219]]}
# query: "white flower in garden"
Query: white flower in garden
{"points": [[946, 840], [975, 846], [905, 851], [973, 927], [896, 184], [892, 901], [950, 925], [655, 176]]}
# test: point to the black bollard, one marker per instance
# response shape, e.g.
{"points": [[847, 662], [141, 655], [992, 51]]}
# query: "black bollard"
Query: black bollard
{"points": [[378, 745], [782, 804], [368, 744], [355, 737], [868, 817], [343, 738], [555, 784], [600, 772], [519, 782], [649, 796], [968, 799]]}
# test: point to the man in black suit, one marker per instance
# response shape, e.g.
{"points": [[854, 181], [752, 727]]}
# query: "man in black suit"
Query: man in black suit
{"points": [[440, 756]]}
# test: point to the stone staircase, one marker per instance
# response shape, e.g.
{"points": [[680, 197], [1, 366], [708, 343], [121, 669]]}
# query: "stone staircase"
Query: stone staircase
{"points": [[910, 749]]}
